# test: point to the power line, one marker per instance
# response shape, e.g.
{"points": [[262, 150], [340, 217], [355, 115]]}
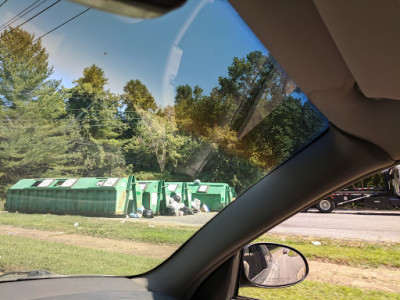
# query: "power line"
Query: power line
{"points": [[31, 18], [21, 14], [55, 28], [89, 110], [17, 15], [4, 2]]}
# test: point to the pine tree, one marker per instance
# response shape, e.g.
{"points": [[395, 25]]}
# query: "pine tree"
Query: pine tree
{"points": [[35, 136]]}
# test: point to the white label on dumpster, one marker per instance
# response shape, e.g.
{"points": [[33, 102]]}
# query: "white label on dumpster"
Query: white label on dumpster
{"points": [[110, 182], [202, 189], [45, 183], [190, 198], [172, 187], [68, 182], [143, 185], [154, 198]]}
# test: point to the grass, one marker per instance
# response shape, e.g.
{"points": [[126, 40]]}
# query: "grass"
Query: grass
{"points": [[2, 202], [103, 228], [19, 253], [314, 290], [353, 253], [347, 252]]}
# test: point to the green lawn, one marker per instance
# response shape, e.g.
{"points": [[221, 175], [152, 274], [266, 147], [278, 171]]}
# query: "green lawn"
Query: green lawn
{"points": [[354, 253], [313, 290], [104, 228], [19, 253]]}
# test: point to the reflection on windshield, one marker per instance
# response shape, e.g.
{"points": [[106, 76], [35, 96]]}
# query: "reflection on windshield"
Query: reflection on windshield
{"points": [[88, 100]]}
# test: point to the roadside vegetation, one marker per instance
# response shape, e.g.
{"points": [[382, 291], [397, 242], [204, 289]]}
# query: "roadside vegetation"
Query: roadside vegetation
{"points": [[346, 252], [87, 130], [65, 259], [310, 290]]}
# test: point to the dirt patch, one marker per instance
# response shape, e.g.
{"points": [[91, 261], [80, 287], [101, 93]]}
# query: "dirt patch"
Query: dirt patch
{"points": [[379, 279], [121, 246]]}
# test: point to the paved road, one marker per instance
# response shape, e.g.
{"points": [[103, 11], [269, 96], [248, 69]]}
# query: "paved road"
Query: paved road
{"points": [[365, 225], [349, 224]]}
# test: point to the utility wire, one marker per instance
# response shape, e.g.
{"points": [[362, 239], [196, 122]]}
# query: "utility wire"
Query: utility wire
{"points": [[80, 109], [21, 14], [17, 15], [4, 2], [43, 35], [69, 20], [31, 18]]}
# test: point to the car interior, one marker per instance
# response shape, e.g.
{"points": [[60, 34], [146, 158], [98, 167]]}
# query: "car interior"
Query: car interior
{"points": [[344, 56]]}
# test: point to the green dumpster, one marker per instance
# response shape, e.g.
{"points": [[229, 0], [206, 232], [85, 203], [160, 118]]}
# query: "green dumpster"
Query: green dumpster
{"points": [[154, 196], [106, 196], [215, 195], [134, 197], [180, 189]]}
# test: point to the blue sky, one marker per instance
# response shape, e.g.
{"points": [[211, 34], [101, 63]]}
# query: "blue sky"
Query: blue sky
{"points": [[192, 45]]}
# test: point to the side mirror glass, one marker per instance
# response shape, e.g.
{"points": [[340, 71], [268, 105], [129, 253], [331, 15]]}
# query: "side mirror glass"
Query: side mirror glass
{"points": [[273, 265]]}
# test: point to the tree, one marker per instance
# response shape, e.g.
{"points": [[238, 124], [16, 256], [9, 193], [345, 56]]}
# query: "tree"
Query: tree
{"points": [[158, 140], [35, 136], [24, 67], [96, 110], [136, 95], [95, 77]]}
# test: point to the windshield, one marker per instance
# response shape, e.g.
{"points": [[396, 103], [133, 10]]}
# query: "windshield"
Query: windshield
{"points": [[120, 137]]}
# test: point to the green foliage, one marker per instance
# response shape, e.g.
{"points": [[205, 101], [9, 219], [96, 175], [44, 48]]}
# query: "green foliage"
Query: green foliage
{"points": [[249, 123], [136, 95], [96, 110], [35, 137], [157, 137], [24, 67]]}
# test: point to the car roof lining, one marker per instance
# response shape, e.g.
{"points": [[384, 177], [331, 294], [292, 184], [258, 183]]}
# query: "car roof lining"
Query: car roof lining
{"points": [[297, 36], [367, 34]]}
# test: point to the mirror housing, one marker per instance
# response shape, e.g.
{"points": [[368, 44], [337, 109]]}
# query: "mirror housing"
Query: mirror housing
{"points": [[270, 265]]}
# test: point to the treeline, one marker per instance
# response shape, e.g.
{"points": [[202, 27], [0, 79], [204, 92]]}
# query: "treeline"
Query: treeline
{"points": [[253, 120]]}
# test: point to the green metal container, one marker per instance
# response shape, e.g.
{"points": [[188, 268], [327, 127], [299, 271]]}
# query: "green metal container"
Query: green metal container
{"points": [[108, 196], [178, 189], [154, 196], [215, 195]]}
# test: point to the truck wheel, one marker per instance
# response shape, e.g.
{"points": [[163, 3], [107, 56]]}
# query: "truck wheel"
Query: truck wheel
{"points": [[325, 206]]}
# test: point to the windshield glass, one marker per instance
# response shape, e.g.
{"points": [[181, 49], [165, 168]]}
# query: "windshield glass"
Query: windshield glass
{"points": [[120, 137]]}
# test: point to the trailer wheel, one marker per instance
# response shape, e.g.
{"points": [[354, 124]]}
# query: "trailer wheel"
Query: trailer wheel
{"points": [[325, 206]]}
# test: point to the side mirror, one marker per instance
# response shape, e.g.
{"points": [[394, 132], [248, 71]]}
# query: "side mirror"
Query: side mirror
{"points": [[271, 265]]}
